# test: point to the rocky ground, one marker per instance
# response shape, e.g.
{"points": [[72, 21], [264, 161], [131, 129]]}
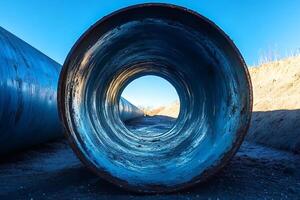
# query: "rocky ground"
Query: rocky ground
{"points": [[52, 171]]}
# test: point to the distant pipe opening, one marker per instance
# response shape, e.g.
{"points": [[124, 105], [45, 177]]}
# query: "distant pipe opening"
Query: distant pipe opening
{"points": [[190, 52], [159, 101]]}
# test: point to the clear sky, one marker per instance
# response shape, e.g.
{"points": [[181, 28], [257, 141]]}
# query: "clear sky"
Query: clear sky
{"points": [[256, 26], [150, 94]]}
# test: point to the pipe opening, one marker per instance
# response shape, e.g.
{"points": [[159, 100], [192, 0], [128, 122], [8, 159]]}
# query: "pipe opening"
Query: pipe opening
{"points": [[191, 53], [159, 101]]}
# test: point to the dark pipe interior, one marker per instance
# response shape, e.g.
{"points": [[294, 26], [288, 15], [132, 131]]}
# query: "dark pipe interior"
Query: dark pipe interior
{"points": [[190, 52]]}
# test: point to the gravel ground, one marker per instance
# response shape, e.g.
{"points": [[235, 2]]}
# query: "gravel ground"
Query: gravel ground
{"points": [[52, 171]]}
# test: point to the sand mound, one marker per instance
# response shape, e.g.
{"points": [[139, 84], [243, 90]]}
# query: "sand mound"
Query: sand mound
{"points": [[276, 106], [171, 110], [152, 111]]}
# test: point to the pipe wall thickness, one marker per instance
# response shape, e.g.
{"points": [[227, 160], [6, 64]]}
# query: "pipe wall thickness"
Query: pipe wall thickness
{"points": [[193, 54]]}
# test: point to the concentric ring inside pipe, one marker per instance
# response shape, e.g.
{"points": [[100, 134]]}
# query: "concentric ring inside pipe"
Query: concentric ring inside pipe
{"points": [[190, 52]]}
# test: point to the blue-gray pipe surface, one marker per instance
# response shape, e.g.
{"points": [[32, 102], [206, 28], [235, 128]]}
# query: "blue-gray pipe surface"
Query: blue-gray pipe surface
{"points": [[128, 111], [186, 49], [28, 96], [28, 89]]}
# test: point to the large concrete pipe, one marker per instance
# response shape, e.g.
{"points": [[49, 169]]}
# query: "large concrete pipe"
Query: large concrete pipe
{"points": [[28, 96], [190, 52]]}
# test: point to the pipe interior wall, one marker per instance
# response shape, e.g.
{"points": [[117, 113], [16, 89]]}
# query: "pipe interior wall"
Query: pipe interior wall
{"points": [[189, 51]]}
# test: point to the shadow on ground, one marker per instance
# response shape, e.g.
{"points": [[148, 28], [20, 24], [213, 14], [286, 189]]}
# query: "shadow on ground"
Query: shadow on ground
{"points": [[52, 171], [277, 128]]}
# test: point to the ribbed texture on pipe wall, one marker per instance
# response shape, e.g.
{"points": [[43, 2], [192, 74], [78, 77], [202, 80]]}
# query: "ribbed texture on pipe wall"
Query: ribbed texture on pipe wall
{"points": [[28, 96], [196, 57]]}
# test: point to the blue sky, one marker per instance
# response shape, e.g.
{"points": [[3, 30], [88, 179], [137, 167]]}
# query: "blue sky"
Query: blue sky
{"points": [[158, 94], [256, 26]]}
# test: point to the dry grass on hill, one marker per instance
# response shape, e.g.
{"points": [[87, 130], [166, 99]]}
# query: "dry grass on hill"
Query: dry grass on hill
{"points": [[276, 106]]}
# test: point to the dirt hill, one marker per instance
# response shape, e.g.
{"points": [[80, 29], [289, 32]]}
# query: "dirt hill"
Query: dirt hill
{"points": [[276, 95], [152, 111], [171, 110]]}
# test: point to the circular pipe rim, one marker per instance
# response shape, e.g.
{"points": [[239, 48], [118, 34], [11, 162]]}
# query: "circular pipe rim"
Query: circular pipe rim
{"points": [[121, 183]]}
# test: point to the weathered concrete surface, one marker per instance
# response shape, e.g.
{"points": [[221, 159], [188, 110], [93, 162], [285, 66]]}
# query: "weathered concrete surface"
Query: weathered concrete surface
{"points": [[190, 52], [52, 171]]}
